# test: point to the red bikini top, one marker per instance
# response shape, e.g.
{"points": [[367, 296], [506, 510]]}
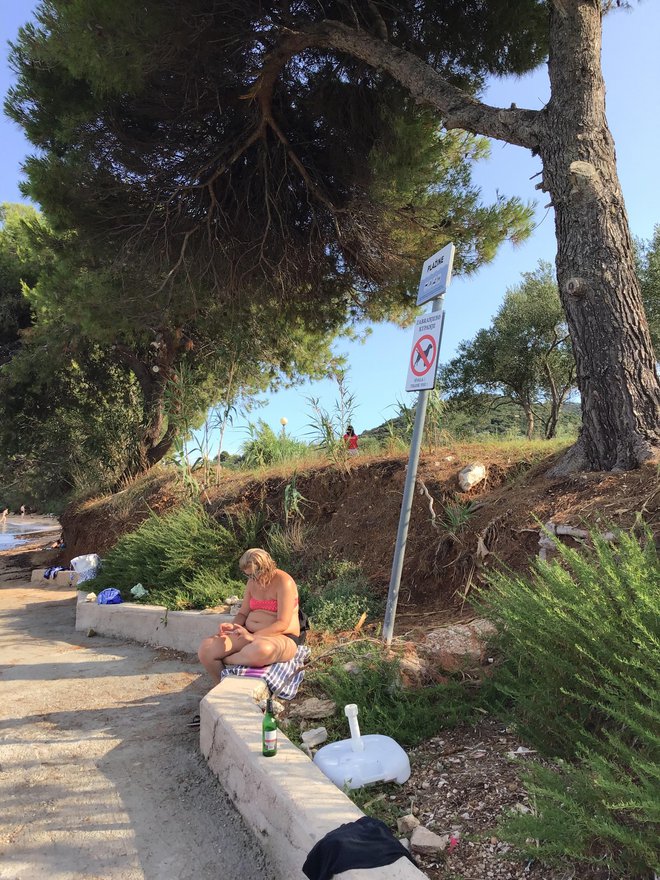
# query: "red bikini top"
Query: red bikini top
{"points": [[265, 604]]}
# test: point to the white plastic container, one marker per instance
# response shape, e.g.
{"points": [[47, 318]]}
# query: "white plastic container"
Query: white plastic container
{"points": [[362, 760]]}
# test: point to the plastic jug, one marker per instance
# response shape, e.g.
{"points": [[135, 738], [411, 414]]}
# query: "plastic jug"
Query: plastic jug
{"points": [[361, 760]]}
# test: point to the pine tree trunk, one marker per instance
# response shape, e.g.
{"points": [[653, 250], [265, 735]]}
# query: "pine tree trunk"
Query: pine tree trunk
{"points": [[616, 368]]}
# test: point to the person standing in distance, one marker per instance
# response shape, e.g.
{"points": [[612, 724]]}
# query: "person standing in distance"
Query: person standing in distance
{"points": [[351, 440]]}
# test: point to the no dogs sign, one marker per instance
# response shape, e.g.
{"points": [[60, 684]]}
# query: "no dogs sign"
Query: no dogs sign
{"points": [[424, 353]]}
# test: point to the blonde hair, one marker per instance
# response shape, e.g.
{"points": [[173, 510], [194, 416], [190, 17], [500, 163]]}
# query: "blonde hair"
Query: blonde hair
{"points": [[263, 564]]}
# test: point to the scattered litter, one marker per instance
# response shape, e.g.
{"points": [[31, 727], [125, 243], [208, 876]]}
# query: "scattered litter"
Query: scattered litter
{"points": [[90, 597], [521, 750], [138, 591], [109, 596]]}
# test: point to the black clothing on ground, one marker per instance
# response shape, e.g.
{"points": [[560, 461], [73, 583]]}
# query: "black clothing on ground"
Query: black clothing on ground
{"points": [[366, 843]]}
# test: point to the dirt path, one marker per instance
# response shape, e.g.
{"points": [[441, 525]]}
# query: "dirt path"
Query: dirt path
{"points": [[100, 776]]}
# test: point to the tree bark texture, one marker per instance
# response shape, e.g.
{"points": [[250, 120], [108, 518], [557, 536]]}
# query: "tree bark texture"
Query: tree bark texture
{"points": [[599, 289]]}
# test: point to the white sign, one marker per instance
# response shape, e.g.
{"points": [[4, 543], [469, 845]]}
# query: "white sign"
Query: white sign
{"points": [[424, 353], [436, 274]]}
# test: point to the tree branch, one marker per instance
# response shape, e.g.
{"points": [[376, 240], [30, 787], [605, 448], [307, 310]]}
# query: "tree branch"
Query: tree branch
{"points": [[426, 85]]}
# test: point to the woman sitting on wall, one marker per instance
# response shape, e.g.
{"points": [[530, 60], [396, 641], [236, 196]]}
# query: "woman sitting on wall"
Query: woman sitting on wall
{"points": [[266, 630]]}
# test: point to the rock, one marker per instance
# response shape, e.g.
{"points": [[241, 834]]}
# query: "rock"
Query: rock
{"points": [[413, 669], [461, 646], [91, 632], [471, 475], [406, 824], [426, 842], [352, 667], [312, 707], [521, 808], [232, 600], [405, 843], [315, 736]]}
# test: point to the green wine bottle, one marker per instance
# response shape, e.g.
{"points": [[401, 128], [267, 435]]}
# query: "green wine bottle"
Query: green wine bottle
{"points": [[269, 731]]}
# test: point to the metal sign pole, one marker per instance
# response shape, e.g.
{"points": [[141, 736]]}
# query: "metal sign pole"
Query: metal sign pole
{"points": [[406, 504]]}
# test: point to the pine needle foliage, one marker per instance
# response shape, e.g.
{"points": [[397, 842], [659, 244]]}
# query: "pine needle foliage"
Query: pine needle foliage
{"points": [[184, 559], [580, 678]]}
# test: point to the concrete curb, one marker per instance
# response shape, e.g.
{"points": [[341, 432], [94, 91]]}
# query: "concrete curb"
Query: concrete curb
{"points": [[286, 801], [63, 579], [149, 624]]}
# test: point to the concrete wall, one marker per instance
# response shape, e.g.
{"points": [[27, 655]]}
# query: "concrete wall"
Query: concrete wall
{"points": [[286, 800], [149, 624], [66, 579]]}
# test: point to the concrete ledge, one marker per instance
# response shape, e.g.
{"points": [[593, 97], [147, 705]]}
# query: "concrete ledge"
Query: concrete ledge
{"points": [[67, 579], [149, 624], [286, 800]]}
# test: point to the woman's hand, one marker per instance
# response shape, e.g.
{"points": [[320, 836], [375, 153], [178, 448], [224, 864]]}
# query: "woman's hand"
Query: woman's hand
{"points": [[237, 630]]}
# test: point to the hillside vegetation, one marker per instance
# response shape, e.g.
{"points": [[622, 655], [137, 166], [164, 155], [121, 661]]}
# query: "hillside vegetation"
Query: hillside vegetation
{"points": [[350, 513]]}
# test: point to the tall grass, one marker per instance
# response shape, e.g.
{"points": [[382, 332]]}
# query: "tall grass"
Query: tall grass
{"points": [[264, 447], [580, 678]]}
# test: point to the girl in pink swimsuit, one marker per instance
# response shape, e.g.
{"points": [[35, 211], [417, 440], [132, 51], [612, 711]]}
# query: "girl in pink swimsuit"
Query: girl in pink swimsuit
{"points": [[266, 629]]}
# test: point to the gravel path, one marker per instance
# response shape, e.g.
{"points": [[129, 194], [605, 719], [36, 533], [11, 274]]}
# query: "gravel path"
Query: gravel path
{"points": [[100, 777]]}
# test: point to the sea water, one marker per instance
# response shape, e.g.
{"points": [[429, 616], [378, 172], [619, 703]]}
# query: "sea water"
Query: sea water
{"points": [[17, 530]]}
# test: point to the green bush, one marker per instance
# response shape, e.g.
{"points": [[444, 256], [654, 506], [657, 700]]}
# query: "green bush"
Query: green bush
{"points": [[335, 595], [409, 716], [580, 678], [184, 560]]}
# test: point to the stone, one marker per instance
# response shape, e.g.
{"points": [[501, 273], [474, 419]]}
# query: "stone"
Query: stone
{"points": [[471, 475], [352, 667], [312, 707], [278, 707], [406, 824], [315, 736], [426, 842], [458, 647]]}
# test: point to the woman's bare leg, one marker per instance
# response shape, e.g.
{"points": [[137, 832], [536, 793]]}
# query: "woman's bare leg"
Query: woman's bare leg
{"points": [[213, 651], [262, 651]]}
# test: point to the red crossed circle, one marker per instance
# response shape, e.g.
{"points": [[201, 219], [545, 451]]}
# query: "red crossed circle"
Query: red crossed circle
{"points": [[419, 352]]}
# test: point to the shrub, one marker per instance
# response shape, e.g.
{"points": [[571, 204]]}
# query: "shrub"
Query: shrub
{"points": [[265, 448], [580, 677], [409, 716], [335, 596], [172, 556]]}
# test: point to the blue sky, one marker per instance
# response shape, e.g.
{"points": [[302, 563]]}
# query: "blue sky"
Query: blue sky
{"points": [[378, 367]]}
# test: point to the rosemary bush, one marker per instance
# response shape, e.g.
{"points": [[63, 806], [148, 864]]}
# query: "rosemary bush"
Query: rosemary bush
{"points": [[178, 558], [581, 679]]}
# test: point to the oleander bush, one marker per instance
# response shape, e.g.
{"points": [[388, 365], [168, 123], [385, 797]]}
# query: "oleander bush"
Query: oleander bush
{"points": [[580, 678]]}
